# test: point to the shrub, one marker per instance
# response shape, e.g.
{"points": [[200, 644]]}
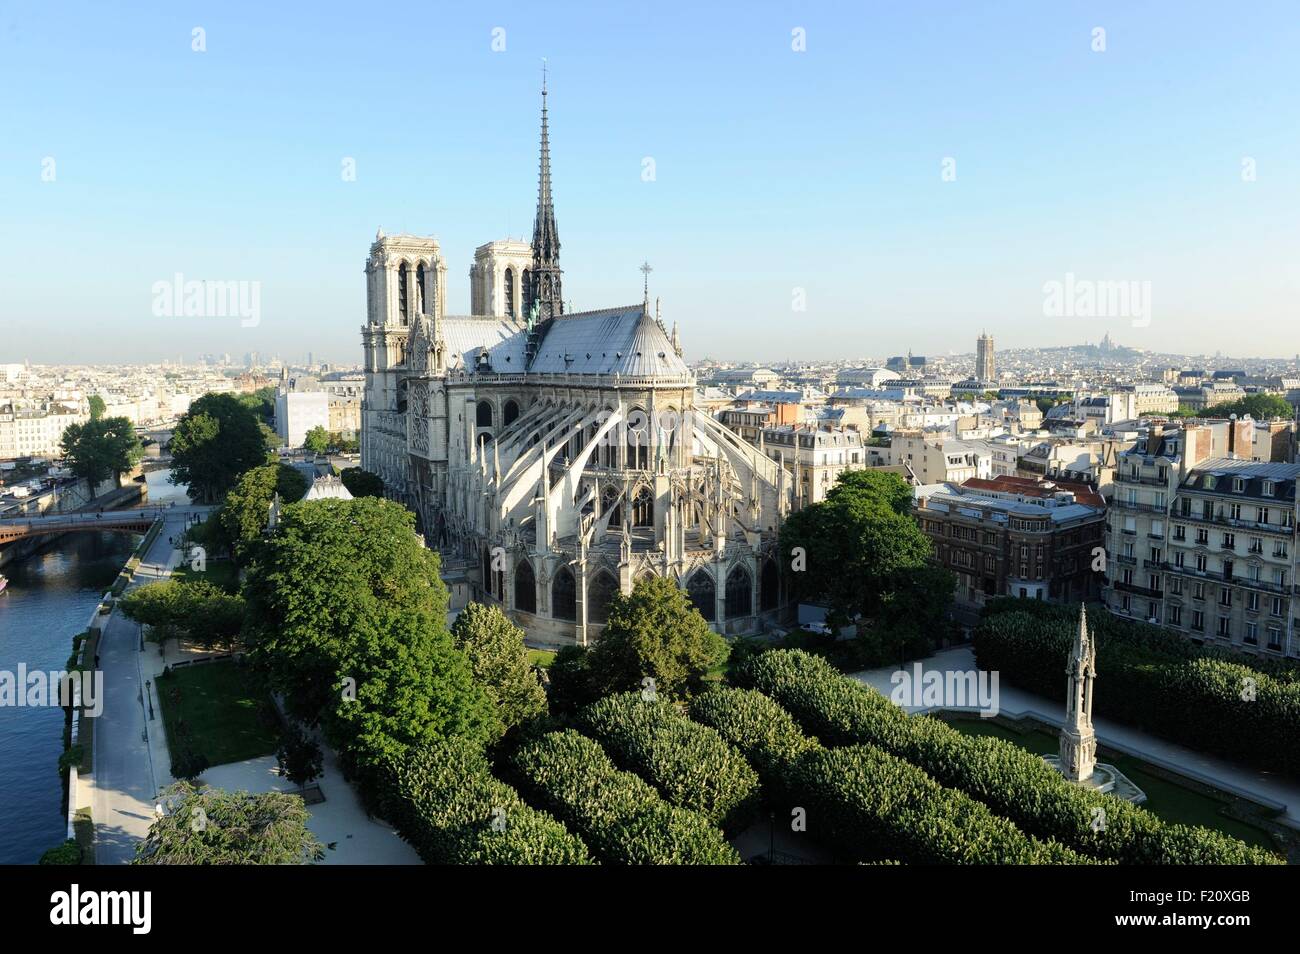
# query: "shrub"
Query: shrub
{"points": [[621, 817], [1154, 679], [763, 732], [864, 802], [443, 800], [1011, 781], [68, 853], [688, 763]]}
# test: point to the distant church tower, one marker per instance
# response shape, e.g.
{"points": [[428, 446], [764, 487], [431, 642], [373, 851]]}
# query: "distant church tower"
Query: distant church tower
{"points": [[544, 276], [1078, 743]]}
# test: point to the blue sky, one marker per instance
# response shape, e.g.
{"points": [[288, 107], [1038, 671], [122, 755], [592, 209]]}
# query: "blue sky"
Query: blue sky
{"points": [[775, 170]]}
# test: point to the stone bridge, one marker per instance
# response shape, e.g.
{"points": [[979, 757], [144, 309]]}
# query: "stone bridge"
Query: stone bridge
{"points": [[125, 521]]}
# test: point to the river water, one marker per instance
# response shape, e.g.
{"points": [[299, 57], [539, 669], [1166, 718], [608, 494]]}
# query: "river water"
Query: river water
{"points": [[50, 597]]}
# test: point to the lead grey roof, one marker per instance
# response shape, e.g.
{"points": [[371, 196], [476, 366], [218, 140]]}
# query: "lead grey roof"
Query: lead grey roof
{"points": [[624, 341], [467, 336]]}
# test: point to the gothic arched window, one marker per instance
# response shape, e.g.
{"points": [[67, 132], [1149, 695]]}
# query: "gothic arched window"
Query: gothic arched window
{"points": [[483, 414], [739, 593], [600, 591], [638, 440], [608, 506], [564, 596], [643, 508], [419, 288], [527, 285], [525, 588], [403, 280], [703, 594], [769, 590], [509, 282], [509, 413]]}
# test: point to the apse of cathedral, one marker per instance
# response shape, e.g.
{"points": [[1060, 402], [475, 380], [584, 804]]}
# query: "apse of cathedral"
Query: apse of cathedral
{"points": [[555, 458]]}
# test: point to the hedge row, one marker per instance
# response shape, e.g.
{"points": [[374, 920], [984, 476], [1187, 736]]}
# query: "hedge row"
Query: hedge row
{"points": [[621, 817], [444, 801], [1156, 680], [688, 763], [864, 801], [1013, 782]]}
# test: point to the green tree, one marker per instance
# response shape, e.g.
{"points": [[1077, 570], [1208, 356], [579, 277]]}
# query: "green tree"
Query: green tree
{"points": [[195, 608], [244, 513], [854, 542], [209, 826], [101, 448], [97, 407], [299, 755], [209, 615], [1261, 407], [261, 402], [218, 439], [496, 652], [654, 632], [362, 483], [570, 680], [317, 440], [347, 617], [156, 605]]}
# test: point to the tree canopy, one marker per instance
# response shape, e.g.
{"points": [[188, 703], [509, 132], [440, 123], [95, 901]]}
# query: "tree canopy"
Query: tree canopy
{"points": [[654, 632], [194, 608], [217, 439], [97, 407], [496, 652], [101, 448], [362, 483], [347, 617], [208, 826], [317, 440], [1261, 407], [849, 549], [243, 515]]}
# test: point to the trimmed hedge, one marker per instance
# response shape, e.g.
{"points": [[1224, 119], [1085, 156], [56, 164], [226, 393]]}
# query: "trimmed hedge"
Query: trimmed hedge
{"points": [[688, 763], [443, 800], [1154, 679], [766, 735], [621, 817], [865, 802], [1013, 782]]}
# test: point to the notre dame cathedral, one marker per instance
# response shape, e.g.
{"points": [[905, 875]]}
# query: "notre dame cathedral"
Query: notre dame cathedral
{"points": [[554, 458]]}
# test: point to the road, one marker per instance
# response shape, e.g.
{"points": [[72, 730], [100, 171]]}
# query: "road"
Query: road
{"points": [[123, 774]]}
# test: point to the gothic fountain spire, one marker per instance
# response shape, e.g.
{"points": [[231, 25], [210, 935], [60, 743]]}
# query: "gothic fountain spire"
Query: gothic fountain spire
{"points": [[1078, 743], [544, 278]]}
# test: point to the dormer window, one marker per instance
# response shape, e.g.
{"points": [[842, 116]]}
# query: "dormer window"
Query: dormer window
{"points": [[1268, 488], [1238, 485]]}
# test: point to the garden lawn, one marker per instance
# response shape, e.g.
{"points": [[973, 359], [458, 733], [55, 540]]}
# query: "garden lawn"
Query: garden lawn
{"points": [[541, 657], [223, 706]]}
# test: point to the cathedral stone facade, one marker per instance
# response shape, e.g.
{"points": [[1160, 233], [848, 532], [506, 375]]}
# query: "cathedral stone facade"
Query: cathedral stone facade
{"points": [[556, 458]]}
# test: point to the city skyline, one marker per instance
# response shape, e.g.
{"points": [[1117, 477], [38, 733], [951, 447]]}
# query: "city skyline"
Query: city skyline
{"points": [[928, 220]]}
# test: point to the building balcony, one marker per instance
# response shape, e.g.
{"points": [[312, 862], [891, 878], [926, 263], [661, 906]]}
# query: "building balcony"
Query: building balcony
{"points": [[1224, 521], [1147, 481], [1137, 590], [1121, 504]]}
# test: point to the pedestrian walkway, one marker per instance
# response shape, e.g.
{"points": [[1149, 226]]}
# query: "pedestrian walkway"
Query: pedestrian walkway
{"points": [[1267, 787], [131, 763], [123, 781]]}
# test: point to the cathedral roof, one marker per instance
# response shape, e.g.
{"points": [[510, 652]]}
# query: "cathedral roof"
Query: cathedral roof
{"points": [[466, 337], [624, 341]]}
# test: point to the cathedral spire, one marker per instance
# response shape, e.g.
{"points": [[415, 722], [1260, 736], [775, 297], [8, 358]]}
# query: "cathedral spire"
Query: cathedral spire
{"points": [[544, 277]]}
